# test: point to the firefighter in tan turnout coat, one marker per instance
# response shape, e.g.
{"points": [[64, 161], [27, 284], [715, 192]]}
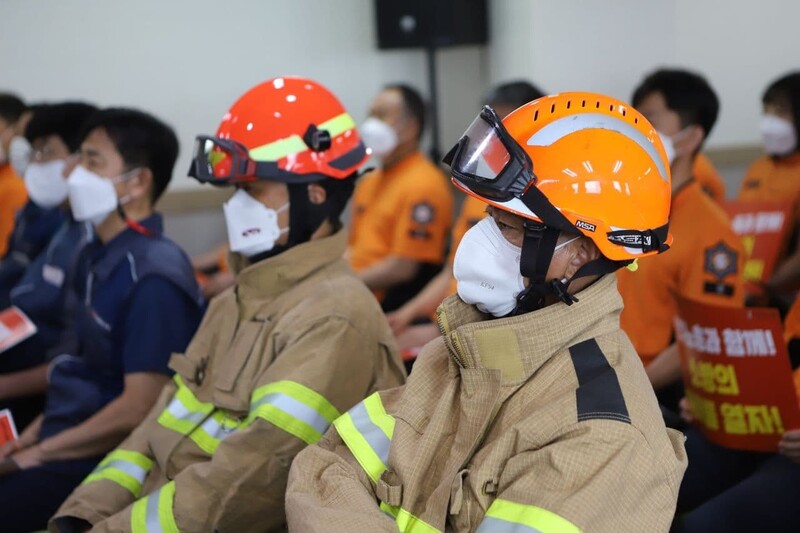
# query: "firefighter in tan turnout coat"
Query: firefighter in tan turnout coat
{"points": [[296, 342], [532, 412]]}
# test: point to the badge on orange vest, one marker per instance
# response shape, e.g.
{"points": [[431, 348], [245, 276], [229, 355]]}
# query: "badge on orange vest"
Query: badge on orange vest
{"points": [[737, 374], [15, 327], [8, 430]]}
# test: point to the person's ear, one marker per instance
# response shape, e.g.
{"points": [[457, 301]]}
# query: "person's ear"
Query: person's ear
{"points": [[140, 185], [317, 194], [580, 252]]}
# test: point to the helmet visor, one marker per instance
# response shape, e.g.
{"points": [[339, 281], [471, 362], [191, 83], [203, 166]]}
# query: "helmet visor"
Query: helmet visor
{"points": [[489, 161]]}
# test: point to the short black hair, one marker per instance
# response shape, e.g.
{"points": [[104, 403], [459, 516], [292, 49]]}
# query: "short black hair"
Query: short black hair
{"points": [[66, 120], [141, 139], [513, 94], [785, 90], [686, 93], [413, 103], [11, 107]]}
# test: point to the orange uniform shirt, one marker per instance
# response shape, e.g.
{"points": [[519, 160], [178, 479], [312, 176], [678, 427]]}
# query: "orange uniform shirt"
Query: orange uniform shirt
{"points": [[13, 196], [709, 179], [472, 212], [773, 179], [403, 211], [704, 264]]}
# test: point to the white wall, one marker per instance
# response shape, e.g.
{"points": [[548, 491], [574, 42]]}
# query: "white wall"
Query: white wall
{"points": [[608, 46], [188, 60]]}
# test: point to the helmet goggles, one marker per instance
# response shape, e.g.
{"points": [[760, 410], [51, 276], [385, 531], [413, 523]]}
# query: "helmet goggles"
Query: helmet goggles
{"points": [[489, 161]]}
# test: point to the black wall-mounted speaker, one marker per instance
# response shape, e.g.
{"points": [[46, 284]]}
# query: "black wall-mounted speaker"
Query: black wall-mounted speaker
{"points": [[431, 23]]}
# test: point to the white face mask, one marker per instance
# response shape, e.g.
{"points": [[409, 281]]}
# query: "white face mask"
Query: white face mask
{"points": [[46, 185], [19, 154], [379, 136], [778, 135], [486, 267], [669, 146], [252, 226], [91, 197]]}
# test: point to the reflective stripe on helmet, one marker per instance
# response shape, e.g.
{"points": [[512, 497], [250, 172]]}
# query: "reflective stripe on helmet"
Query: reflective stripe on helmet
{"points": [[504, 516], [125, 468], [294, 144]]}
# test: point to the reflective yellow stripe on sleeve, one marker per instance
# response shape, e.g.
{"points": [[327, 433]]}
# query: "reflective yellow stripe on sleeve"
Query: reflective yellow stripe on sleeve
{"points": [[505, 516], [367, 431], [154, 513], [125, 468], [294, 408]]}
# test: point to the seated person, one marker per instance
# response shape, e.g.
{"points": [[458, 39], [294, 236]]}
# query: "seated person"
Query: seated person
{"points": [[55, 129], [138, 303], [12, 189], [776, 175], [504, 99], [532, 411], [403, 211], [295, 342], [734, 490], [44, 291], [705, 265]]}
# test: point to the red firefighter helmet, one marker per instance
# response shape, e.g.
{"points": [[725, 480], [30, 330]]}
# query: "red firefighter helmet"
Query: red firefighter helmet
{"points": [[288, 129]]}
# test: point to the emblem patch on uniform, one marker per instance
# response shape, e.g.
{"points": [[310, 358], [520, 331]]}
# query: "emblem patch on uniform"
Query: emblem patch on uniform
{"points": [[422, 213], [720, 260]]}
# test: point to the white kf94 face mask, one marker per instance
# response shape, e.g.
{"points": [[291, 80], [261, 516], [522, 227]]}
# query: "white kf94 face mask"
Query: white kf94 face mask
{"points": [[486, 268], [46, 184], [92, 197], [252, 226], [778, 135], [379, 136]]}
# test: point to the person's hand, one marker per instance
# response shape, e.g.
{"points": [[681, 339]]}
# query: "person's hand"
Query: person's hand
{"points": [[399, 320], [28, 457], [9, 447], [686, 410], [789, 446]]}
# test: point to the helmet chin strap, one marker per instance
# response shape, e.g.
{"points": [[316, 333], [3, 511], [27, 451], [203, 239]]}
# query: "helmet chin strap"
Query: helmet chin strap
{"points": [[538, 247]]}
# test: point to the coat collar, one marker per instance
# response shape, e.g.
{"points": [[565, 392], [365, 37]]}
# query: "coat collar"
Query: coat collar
{"points": [[518, 346]]}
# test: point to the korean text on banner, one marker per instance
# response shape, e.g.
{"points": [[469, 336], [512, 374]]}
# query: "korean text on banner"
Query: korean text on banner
{"points": [[764, 228], [737, 374]]}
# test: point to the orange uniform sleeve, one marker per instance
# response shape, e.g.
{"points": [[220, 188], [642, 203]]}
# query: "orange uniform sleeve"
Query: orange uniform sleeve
{"points": [[423, 222], [13, 196]]}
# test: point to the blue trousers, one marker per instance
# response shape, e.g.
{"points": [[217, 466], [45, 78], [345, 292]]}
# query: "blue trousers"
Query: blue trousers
{"points": [[729, 491], [30, 497]]}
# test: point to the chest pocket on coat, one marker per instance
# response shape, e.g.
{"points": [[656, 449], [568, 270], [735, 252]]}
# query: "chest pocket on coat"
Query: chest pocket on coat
{"points": [[237, 368]]}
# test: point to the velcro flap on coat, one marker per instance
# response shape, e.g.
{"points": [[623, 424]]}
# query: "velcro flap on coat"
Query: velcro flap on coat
{"points": [[184, 367], [389, 488], [499, 349]]}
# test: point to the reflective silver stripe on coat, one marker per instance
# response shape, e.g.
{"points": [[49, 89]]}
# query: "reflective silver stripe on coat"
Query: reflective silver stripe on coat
{"points": [[295, 408], [151, 517], [496, 525], [135, 471], [373, 434], [181, 412]]}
